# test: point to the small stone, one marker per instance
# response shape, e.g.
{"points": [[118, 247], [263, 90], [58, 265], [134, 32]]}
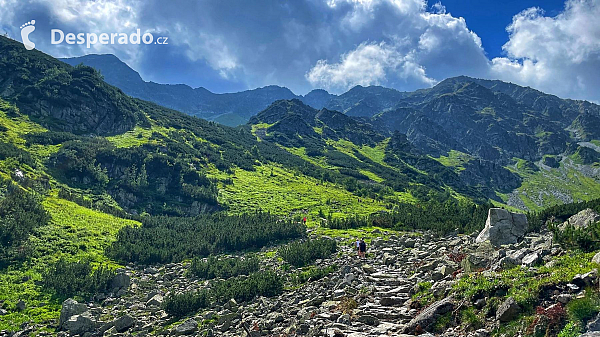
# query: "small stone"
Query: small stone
{"points": [[156, 300], [368, 269]]}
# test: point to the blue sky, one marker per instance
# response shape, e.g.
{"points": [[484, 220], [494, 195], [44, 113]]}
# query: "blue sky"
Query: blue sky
{"points": [[489, 18], [232, 45]]}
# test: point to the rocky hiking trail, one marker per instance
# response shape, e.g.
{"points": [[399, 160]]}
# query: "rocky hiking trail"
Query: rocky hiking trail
{"points": [[406, 286]]}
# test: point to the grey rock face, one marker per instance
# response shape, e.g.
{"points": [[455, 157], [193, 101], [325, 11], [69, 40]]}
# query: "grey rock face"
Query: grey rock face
{"points": [[503, 227], [508, 310], [427, 318]]}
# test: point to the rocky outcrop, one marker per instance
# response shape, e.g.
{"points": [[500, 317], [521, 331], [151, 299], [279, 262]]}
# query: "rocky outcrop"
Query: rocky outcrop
{"points": [[503, 227], [582, 219]]}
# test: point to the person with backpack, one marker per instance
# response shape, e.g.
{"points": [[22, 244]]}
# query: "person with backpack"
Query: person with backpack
{"points": [[357, 246], [362, 248]]}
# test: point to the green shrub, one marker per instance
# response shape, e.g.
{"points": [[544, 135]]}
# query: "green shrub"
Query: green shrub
{"points": [[20, 213], [571, 237], [183, 304], [572, 329], [312, 274], [8, 150], [224, 267], [77, 279], [242, 288], [302, 253], [470, 319], [582, 309], [172, 239], [441, 217]]}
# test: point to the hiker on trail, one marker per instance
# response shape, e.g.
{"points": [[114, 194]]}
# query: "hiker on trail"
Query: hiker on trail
{"points": [[357, 244], [304, 220], [362, 248]]}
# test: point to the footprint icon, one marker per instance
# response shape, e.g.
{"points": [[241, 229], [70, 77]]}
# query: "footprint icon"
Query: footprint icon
{"points": [[27, 29]]}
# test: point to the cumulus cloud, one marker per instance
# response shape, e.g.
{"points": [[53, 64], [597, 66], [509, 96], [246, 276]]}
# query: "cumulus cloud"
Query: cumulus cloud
{"points": [[368, 64], [416, 49], [334, 44], [559, 55]]}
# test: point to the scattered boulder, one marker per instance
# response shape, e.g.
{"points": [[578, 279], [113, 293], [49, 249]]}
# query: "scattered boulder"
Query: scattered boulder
{"points": [[508, 310], [123, 323], [368, 268], [475, 262], [531, 259], [121, 281], [585, 280], [79, 324], [368, 319], [187, 328], [596, 258], [391, 301], [427, 318], [503, 227], [156, 300], [70, 308], [231, 305]]}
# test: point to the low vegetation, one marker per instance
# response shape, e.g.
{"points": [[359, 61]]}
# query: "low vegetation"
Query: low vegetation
{"points": [[440, 217], [262, 283], [20, 213], [77, 279], [300, 254], [173, 239], [223, 267]]}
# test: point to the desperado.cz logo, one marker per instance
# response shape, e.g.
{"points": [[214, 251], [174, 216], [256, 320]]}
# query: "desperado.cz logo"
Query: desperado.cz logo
{"points": [[57, 36]]}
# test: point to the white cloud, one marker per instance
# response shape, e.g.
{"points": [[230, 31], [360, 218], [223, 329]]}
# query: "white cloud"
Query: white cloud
{"points": [[368, 64], [559, 55], [416, 49], [334, 44]]}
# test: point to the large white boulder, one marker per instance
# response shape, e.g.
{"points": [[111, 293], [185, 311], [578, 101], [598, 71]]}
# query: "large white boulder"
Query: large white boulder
{"points": [[503, 227], [582, 219]]}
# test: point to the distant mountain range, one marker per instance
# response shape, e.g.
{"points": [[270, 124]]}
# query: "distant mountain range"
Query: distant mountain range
{"points": [[495, 135], [232, 109]]}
